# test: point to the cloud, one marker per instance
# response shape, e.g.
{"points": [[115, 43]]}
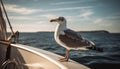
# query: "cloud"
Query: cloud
{"points": [[70, 2], [20, 10], [30, 27], [102, 23], [20, 17], [86, 14], [34, 17], [113, 17], [68, 8], [53, 16], [105, 24], [97, 20], [49, 16], [35, 0]]}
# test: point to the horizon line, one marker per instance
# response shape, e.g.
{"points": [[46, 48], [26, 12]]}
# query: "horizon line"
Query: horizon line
{"points": [[76, 31]]}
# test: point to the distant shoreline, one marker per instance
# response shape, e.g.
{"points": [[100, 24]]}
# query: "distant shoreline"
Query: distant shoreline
{"points": [[92, 31], [95, 31]]}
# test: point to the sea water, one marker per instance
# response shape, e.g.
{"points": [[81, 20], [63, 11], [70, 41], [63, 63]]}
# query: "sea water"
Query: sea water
{"points": [[110, 42]]}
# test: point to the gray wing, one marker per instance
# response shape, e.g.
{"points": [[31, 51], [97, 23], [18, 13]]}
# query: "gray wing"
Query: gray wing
{"points": [[72, 34], [72, 39]]}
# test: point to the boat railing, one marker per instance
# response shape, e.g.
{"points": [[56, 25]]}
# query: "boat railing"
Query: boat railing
{"points": [[9, 62]]}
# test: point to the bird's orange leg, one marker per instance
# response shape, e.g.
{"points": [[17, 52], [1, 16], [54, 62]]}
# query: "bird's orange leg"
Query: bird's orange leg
{"points": [[66, 56]]}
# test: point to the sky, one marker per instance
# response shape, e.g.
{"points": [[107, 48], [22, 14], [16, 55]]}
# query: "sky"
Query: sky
{"points": [[81, 15]]}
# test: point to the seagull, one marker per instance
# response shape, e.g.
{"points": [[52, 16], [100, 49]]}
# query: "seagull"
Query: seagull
{"points": [[69, 39]]}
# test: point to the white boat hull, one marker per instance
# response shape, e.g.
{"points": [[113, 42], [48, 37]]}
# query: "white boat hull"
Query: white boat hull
{"points": [[33, 58]]}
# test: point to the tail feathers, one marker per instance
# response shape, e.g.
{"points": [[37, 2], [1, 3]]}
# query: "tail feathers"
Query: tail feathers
{"points": [[95, 48]]}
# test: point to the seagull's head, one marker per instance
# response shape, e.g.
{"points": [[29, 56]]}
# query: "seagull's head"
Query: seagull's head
{"points": [[60, 20]]}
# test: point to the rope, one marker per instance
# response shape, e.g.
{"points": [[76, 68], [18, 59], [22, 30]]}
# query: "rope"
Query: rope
{"points": [[7, 16], [8, 62]]}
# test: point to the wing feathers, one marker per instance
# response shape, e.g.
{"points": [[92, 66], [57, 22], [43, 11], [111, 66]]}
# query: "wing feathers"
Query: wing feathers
{"points": [[72, 34]]}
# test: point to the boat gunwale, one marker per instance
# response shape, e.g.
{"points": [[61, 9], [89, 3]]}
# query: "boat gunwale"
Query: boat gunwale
{"points": [[26, 48]]}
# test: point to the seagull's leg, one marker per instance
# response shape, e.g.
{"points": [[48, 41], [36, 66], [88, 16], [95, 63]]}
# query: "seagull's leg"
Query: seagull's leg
{"points": [[66, 56]]}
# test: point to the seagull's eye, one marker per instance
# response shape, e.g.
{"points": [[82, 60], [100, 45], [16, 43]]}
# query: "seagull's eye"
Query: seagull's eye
{"points": [[61, 19]]}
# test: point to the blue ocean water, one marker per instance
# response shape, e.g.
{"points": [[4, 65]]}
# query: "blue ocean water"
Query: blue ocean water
{"points": [[110, 42]]}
